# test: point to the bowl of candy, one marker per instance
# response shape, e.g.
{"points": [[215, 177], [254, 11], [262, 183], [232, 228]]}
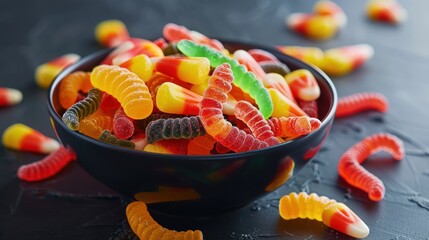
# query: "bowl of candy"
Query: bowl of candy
{"points": [[192, 126]]}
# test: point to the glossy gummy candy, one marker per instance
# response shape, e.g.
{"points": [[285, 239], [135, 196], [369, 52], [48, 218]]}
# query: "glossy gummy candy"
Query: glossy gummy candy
{"points": [[242, 78], [350, 169], [123, 126], [303, 85], [245, 59], [145, 227], [318, 27], [212, 118], [9, 97], [333, 214], [175, 33], [126, 87], [250, 115], [47, 167], [70, 87], [93, 126], [201, 145], [359, 102], [45, 73], [293, 126], [388, 11], [81, 109], [110, 33], [309, 107], [109, 103], [23, 138], [107, 137], [186, 127]]}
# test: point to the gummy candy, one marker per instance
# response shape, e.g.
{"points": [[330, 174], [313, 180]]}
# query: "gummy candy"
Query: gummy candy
{"points": [[81, 109], [242, 78], [274, 67], [201, 145], [9, 97], [141, 65], [333, 214], [123, 126], [126, 87], [110, 33], [309, 107], [45, 73], [70, 87], [93, 126], [108, 137], [293, 126], [278, 82], [303, 85], [21, 137], [261, 55], [355, 103], [47, 167], [245, 59], [186, 127], [170, 146], [145, 227], [175, 33], [350, 169]]}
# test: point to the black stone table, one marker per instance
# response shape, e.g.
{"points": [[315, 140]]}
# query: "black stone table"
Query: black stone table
{"points": [[73, 205]]}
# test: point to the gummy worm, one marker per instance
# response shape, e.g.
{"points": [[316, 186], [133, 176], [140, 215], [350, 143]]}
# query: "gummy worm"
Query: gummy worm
{"points": [[350, 169], [359, 102], [333, 214], [81, 109], [186, 127], [107, 137], [242, 78]]}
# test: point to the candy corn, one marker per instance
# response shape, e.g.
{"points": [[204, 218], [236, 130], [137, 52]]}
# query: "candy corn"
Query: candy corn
{"points": [[46, 72], [389, 11], [110, 33], [140, 65], [303, 85], [172, 98], [318, 27], [310, 55], [192, 70], [283, 106], [21, 137], [330, 8], [9, 97]]}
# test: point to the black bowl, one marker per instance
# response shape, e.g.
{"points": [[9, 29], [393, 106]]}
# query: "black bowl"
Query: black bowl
{"points": [[189, 185]]}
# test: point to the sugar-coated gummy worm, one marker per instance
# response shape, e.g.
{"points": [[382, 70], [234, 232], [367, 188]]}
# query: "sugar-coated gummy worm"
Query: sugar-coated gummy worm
{"points": [[212, 118], [9, 96], [293, 126], [142, 124], [350, 169], [250, 115], [145, 227], [309, 107], [123, 126], [47, 167], [242, 78], [359, 102], [186, 127], [108, 137], [126, 87], [333, 214], [70, 87], [81, 109]]}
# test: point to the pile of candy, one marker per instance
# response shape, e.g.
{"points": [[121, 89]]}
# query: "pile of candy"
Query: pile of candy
{"points": [[164, 96]]}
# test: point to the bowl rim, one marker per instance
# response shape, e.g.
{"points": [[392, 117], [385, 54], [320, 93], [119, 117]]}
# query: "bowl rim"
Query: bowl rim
{"points": [[329, 117]]}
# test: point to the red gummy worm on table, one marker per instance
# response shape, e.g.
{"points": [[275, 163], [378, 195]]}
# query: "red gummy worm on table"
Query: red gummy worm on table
{"points": [[256, 122], [47, 167], [359, 102], [219, 85], [350, 169]]}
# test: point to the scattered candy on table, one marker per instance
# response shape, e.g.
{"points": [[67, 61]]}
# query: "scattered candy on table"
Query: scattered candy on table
{"points": [[310, 55], [332, 213], [350, 169], [359, 102], [110, 33], [46, 72], [318, 27], [23, 138], [47, 167], [389, 11], [9, 97], [330, 8]]}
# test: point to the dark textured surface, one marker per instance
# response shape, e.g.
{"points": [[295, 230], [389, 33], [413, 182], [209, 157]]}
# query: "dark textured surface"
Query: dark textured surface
{"points": [[74, 206]]}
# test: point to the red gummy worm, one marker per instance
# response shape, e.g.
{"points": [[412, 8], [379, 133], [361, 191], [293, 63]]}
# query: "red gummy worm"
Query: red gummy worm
{"points": [[123, 126], [359, 102], [47, 167], [211, 115], [350, 169], [293, 126], [247, 113]]}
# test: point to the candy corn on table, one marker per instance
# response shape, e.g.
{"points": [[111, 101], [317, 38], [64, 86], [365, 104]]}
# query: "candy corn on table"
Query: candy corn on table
{"points": [[392, 61]]}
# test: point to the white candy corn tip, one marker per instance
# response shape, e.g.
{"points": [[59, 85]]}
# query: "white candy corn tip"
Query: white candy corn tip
{"points": [[367, 50], [121, 58], [358, 229], [73, 57], [294, 19], [14, 96], [309, 93], [49, 146]]}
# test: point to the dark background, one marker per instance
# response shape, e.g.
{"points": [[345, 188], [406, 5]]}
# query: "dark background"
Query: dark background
{"points": [[72, 205]]}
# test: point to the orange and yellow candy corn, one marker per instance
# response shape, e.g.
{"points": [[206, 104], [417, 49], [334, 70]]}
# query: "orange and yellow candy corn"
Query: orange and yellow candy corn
{"points": [[21, 137], [140, 65], [329, 8], [343, 60], [172, 98], [193, 70], [46, 72], [9, 97], [110, 33], [318, 27], [277, 81], [303, 85], [389, 11], [283, 106], [310, 55], [333, 214]]}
